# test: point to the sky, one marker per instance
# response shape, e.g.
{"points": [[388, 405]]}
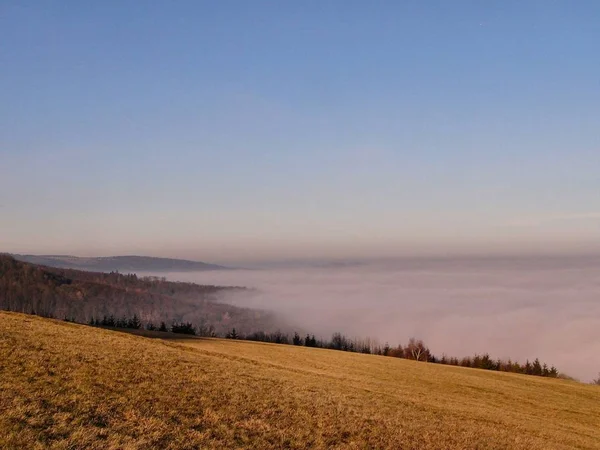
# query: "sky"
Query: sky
{"points": [[233, 130]]}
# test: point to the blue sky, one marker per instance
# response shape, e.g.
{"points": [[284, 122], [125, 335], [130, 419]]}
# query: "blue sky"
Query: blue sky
{"points": [[235, 130]]}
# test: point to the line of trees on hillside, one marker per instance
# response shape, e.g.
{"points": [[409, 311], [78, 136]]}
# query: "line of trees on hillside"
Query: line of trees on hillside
{"points": [[135, 323], [415, 349]]}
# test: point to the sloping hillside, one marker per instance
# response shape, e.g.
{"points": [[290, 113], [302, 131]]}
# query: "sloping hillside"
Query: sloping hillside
{"points": [[72, 386], [78, 295], [118, 263]]}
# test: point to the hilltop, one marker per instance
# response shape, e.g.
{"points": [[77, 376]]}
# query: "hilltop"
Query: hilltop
{"points": [[80, 296], [72, 386], [119, 263]]}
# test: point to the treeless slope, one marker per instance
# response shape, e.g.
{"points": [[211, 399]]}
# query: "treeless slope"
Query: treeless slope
{"points": [[70, 386]]}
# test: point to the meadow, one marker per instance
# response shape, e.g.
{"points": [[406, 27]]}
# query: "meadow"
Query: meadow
{"points": [[64, 385]]}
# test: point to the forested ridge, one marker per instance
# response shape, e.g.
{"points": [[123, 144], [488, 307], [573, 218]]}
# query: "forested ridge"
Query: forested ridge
{"points": [[125, 264], [79, 296]]}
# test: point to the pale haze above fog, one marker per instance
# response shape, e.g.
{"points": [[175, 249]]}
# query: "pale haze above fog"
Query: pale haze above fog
{"points": [[511, 308], [235, 131]]}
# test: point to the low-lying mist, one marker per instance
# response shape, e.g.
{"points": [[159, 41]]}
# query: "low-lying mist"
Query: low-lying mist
{"points": [[522, 309]]}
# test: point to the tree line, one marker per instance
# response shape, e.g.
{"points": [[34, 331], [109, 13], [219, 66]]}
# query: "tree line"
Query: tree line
{"points": [[135, 323], [415, 349]]}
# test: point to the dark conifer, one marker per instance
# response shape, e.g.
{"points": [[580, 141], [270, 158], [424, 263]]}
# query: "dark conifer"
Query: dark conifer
{"points": [[536, 368], [134, 322], [232, 334]]}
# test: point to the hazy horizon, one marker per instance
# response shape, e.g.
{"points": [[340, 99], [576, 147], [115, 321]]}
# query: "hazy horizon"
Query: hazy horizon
{"points": [[334, 248], [542, 257], [510, 309]]}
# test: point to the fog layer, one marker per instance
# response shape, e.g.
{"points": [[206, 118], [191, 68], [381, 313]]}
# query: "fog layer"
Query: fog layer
{"points": [[527, 308]]}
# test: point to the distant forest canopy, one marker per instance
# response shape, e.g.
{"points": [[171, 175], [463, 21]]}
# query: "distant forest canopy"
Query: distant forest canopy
{"points": [[79, 296], [118, 263]]}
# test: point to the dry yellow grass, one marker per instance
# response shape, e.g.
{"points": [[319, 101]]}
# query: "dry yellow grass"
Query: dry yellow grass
{"points": [[71, 386]]}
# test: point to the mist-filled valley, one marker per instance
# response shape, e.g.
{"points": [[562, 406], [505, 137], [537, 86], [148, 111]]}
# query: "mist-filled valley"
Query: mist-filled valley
{"points": [[519, 308]]}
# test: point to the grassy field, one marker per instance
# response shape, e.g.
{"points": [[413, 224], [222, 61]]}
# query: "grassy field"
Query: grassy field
{"points": [[71, 386]]}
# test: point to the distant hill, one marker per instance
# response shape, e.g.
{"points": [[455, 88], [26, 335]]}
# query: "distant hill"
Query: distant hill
{"points": [[119, 263], [80, 296]]}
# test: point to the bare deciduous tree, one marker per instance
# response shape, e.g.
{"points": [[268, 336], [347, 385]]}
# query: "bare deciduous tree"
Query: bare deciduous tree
{"points": [[416, 350]]}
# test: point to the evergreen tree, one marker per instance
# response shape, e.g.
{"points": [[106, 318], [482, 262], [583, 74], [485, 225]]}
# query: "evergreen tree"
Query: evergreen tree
{"points": [[232, 335], [297, 339], [536, 368], [307, 341], [183, 328], [134, 322], [386, 349]]}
